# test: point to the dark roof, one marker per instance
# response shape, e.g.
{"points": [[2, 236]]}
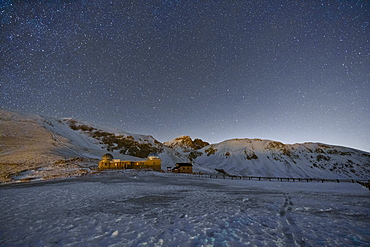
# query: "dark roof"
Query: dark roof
{"points": [[184, 164]]}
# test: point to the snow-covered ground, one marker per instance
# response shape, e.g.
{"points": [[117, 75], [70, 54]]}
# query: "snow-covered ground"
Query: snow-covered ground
{"points": [[131, 208]]}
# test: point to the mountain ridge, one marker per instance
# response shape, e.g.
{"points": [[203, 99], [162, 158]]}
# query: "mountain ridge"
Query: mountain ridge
{"points": [[185, 144], [271, 158], [49, 140]]}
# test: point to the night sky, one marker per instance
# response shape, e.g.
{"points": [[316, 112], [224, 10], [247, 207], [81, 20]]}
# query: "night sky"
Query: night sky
{"points": [[290, 71]]}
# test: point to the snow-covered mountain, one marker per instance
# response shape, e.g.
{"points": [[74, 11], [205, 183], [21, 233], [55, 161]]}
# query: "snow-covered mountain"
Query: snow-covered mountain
{"points": [[33, 142], [121, 144], [255, 157]]}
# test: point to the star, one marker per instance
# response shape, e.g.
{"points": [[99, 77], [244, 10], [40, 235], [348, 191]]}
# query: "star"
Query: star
{"points": [[267, 69]]}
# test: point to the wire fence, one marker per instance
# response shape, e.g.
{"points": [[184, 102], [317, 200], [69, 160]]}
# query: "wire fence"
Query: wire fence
{"points": [[363, 182]]}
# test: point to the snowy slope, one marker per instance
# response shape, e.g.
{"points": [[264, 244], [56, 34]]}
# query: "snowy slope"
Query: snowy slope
{"points": [[255, 157], [97, 139], [33, 141], [29, 151]]}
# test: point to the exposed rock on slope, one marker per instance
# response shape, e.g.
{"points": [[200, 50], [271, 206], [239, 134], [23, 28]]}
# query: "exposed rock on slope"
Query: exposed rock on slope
{"points": [[185, 144], [123, 144]]}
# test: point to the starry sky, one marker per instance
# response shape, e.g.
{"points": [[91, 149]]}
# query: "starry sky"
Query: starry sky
{"points": [[290, 71]]}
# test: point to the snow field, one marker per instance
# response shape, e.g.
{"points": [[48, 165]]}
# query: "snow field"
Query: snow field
{"points": [[153, 209]]}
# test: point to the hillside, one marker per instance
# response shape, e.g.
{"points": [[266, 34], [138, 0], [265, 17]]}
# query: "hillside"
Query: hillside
{"points": [[36, 147], [39, 147], [255, 157], [185, 144]]}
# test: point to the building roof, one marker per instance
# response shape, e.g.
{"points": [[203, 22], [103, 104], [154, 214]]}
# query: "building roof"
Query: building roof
{"points": [[153, 156], [107, 156], [183, 164]]}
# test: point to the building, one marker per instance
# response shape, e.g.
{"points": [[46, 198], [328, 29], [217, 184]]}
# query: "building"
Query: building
{"points": [[183, 168], [153, 162]]}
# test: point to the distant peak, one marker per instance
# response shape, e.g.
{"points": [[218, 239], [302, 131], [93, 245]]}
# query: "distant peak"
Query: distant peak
{"points": [[186, 144], [184, 137]]}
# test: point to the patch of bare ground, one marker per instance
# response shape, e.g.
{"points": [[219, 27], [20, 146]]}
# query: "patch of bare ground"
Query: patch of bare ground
{"points": [[9, 170], [63, 168]]}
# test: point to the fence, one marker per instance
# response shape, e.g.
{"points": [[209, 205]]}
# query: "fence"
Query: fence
{"points": [[365, 183]]}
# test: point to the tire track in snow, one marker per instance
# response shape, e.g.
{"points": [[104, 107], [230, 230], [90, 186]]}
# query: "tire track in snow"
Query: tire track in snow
{"points": [[291, 231]]}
